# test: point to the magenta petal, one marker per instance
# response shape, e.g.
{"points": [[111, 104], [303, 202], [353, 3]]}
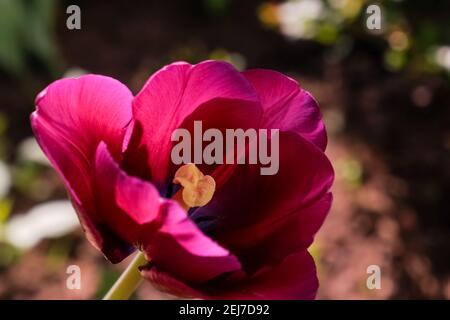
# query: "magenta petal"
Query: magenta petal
{"points": [[125, 203], [288, 107], [261, 218], [171, 95], [133, 209], [294, 278], [182, 250], [169, 284], [72, 116], [161, 228]]}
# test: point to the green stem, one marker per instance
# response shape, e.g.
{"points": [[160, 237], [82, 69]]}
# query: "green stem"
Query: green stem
{"points": [[128, 280]]}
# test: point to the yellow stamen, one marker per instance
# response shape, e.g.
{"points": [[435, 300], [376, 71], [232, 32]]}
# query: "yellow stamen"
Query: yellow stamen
{"points": [[197, 189]]}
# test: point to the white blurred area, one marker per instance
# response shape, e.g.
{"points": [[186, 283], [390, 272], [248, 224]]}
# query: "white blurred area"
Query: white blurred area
{"points": [[48, 220], [5, 180], [442, 56], [75, 72], [297, 17]]}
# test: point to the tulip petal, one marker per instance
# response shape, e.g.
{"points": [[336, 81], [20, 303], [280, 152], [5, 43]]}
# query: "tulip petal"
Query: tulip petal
{"points": [[125, 203], [287, 106], [72, 116], [177, 91], [180, 248], [161, 228], [262, 218], [294, 278], [165, 282]]}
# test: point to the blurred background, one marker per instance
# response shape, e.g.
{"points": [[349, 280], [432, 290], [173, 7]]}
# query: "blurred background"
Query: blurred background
{"points": [[385, 97]]}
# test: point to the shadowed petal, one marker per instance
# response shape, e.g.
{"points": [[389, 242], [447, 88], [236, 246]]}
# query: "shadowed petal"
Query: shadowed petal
{"points": [[293, 279], [181, 249], [261, 218]]}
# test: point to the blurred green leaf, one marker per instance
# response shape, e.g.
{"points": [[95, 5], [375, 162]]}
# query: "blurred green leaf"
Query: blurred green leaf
{"points": [[8, 254], [3, 123], [327, 33], [216, 7], [394, 60], [12, 55], [24, 176], [5, 209], [109, 277], [26, 28], [39, 38]]}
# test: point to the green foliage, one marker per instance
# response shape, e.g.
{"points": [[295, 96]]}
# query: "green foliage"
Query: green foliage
{"points": [[5, 210], [8, 254], [26, 29], [109, 277], [216, 7]]}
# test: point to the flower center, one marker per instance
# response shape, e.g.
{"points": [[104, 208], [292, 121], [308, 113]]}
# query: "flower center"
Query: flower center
{"points": [[196, 188]]}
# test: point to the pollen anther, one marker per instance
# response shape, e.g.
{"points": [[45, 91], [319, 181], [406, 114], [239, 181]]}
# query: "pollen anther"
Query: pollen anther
{"points": [[197, 189]]}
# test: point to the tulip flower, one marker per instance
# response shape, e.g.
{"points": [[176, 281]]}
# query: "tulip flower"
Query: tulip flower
{"points": [[210, 231]]}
